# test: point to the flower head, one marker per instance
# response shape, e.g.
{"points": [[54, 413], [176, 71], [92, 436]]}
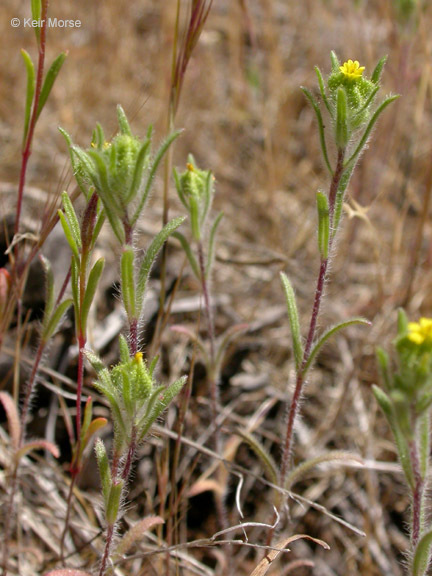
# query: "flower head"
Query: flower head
{"points": [[352, 69], [420, 332]]}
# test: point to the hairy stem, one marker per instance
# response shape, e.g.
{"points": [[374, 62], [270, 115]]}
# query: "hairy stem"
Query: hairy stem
{"points": [[417, 495], [319, 291], [32, 125]]}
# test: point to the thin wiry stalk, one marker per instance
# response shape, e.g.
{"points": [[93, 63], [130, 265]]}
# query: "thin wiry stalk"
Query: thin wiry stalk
{"points": [[183, 47]]}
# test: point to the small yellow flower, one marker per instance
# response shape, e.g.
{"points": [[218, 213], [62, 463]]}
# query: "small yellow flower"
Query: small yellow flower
{"points": [[352, 69], [138, 357], [420, 332]]}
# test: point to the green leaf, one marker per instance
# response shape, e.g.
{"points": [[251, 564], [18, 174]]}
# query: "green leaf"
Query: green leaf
{"points": [[322, 90], [124, 349], [36, 10], [29, 92], [90, 291], [49, 81], [162, 400], [210, 252], [49, 290], [78, 173], [104, 469], [323, 225], [376, 74], [72, 218], [383, 361], [128, 283], [342, 135], [320, 127], [75, 289], [354, 156], [422, 554], [123, 121], [98, 227], [335, 62], [387, 407], [69, 235], [114, 500], [155, 165], [190, 255], [402, 322], [86, 417], [140, 165], [55, 319], [328, 334], [294, 320], [424, 444], [150, 257]]}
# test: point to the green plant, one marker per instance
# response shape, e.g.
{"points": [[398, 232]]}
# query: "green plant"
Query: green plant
{"points": [[349, 98], [406, 399]]}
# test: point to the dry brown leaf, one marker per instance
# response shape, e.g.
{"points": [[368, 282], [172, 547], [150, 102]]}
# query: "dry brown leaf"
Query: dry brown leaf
{"points": [[268, 559]]}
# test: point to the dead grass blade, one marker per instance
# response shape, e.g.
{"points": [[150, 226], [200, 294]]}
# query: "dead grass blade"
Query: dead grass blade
{"points": [[269, 558]]}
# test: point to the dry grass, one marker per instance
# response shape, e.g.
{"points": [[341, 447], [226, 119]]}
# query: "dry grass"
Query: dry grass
{"points": [[246, 119]]}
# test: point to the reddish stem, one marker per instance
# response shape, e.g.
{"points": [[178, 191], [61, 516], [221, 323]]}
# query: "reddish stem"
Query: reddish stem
{"points": [[26, 153], [300, 377]]}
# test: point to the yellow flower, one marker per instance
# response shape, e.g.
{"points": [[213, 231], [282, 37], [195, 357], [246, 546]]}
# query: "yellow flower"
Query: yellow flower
{"points": [[352, 69], [420, 332]]}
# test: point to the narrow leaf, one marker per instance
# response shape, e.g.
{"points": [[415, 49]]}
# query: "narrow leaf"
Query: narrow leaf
{"points": [[305, 467], [341, 119], [422, 554], [353, 158], [68, 235], [268, 463], [150, 257], [104, 470], [328, 334], [386, 406], [140, 165], [155, 165], [322, 90], [320, 127], [92, 284], [123, 121], [294, 320], [113, 504], [49, 291], [163, 400], [189, 254], [72, 218], [128, 283], [95, 425], [323, 225], [210, 252], [55, 318], [29, 92], [36, 10], [376, 74], [49, 81]]}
